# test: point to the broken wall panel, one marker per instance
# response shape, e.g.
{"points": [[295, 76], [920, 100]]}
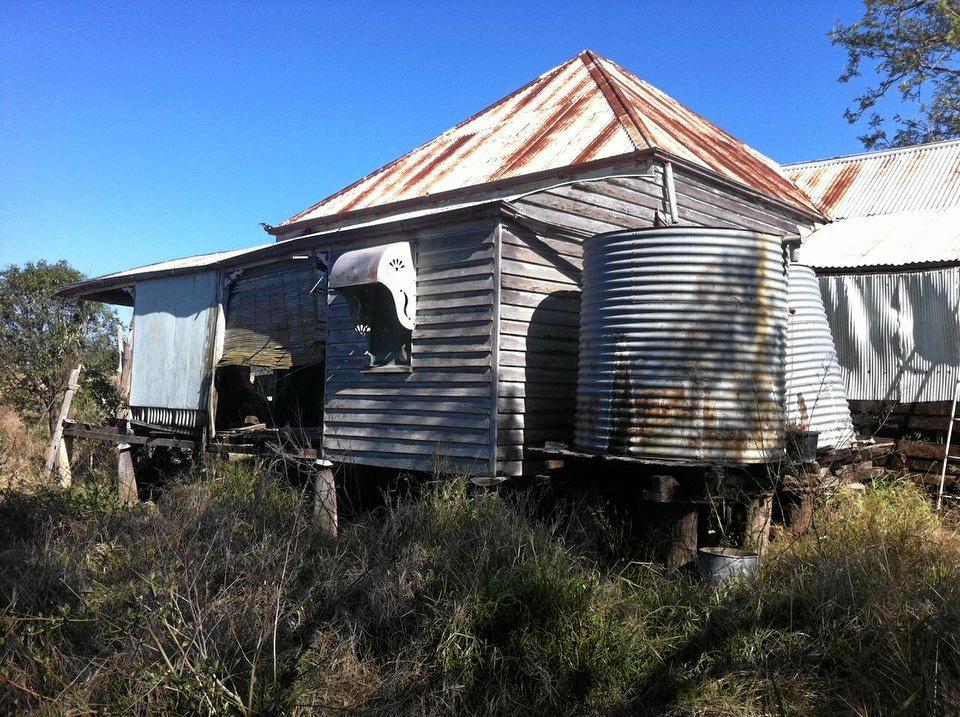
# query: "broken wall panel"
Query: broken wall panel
{"points": [[172, 325], [273, 319]]}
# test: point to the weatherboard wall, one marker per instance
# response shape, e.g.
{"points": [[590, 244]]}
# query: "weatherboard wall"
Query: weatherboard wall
{"points": [[438, 414], [542, 254]]}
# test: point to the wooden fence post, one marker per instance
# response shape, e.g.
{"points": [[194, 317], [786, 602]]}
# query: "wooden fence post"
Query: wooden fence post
{"points": [[683, 535], [55, 452], [756, 533]]}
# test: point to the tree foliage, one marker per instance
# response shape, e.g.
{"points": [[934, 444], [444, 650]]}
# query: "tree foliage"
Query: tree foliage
{"points": [[914, 47], [42, 337]]}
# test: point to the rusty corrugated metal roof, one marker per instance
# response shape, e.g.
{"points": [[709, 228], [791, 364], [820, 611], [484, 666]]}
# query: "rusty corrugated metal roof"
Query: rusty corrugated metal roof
{"points": [[586, 109], [925, 177]]}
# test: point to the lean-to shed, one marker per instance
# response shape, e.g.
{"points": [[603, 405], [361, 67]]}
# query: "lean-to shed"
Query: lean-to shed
{"points": [[889, 269], [427, 315]]}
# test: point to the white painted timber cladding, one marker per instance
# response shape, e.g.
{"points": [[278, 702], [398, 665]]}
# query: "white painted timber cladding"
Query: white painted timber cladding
{"points": [[897, 334], [438, 415], [171, 349]]}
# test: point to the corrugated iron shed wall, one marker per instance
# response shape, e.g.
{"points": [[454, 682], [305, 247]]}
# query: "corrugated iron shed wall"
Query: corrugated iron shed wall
{"points": [[586, 109], [171, 341], [897, 334], [921, 178]]}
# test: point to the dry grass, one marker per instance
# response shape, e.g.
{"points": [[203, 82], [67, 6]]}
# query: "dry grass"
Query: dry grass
{"points": [[222, 600], [21, 451]]}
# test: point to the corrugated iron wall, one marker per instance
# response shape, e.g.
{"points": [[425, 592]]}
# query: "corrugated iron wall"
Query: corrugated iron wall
{"points": [[171, 341], [897, 334]]}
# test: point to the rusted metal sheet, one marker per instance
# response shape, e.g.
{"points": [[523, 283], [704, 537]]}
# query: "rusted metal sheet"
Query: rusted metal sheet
{"points": [[891, 240], [921, 178], [897, 334], [815, 398], [682, 335], [172, 321], [586, 109]]}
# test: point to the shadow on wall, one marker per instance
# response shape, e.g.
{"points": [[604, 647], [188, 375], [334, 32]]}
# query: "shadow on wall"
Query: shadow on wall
{"points": [[550, 385]]}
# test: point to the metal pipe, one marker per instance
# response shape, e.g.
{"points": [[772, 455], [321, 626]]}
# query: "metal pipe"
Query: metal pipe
{"points": [[671, 192], [946, 448]]}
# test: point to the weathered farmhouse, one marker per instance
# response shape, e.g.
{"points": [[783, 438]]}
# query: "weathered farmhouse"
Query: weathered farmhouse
{"points": [[428, 313]]}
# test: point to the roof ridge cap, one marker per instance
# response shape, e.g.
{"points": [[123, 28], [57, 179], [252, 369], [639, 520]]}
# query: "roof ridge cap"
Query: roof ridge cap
{"points": [[632, 125]]}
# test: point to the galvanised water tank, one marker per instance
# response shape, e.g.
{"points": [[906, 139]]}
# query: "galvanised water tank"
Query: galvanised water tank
{"points": [[682, 336], [816, 400]]}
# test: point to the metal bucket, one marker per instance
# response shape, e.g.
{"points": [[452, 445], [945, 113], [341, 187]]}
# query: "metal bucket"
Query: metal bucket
{"points": [[717, 565]]}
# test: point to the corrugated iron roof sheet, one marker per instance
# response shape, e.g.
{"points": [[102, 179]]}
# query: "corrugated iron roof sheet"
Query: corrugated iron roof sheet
{"points": [[919, 178], [885, 240], [586, 109], [261, 252]]}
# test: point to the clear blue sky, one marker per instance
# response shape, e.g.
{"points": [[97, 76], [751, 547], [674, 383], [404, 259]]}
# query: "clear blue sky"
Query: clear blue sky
{"points": [[133, 132]]}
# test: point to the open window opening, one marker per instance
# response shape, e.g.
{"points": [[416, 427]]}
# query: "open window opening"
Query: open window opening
{"points": [[380, 287], [258, 396]]}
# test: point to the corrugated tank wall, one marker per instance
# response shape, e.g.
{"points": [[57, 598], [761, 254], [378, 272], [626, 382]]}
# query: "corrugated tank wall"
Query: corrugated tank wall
{"points": [[682, 336], [437, 415], [897, 334], [814, 384]]}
